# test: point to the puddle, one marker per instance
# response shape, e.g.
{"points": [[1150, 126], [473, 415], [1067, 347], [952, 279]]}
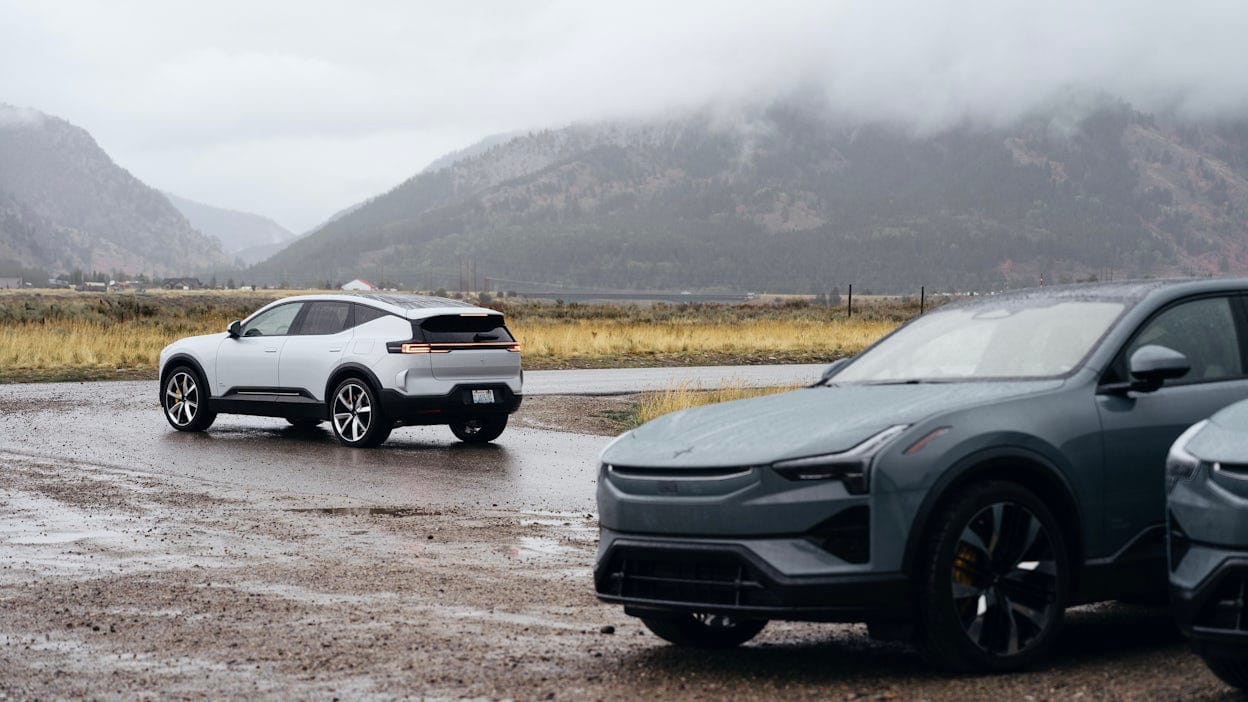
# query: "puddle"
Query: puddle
{"points": [[370, 511]]}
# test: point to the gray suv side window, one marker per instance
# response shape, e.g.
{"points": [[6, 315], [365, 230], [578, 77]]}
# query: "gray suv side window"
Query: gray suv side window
{"points": [[275, 322], [1203, 330]]}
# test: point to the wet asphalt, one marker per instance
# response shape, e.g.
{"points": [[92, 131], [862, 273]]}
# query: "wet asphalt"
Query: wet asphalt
{"points": [[119, 425]]}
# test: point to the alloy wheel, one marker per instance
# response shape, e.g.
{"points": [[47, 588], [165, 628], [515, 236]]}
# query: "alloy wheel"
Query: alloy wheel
{"points": [[181, 398], [352, 412], [1005, 579]]}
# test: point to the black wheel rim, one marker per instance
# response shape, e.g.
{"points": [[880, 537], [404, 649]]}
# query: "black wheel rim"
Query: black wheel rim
{"points": [[181, 398], [1004, 579]]}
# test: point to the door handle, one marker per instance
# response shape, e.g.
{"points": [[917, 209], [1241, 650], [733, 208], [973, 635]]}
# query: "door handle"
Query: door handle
{"points": [[335, 350], [270, 349]]}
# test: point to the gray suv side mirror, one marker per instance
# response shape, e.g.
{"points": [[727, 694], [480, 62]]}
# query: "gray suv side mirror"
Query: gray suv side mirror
{"points": [[1152, 365], [235, 329]]}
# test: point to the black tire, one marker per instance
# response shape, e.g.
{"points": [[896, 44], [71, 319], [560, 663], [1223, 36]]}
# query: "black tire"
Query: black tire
{"points": [[304, 422], [184, 399], [355, 415], [994, 584], [479, 430], [1232, 670], [704, 630]]}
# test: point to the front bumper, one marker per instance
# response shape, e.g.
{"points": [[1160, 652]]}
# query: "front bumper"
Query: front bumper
{"points": [[1213, 611], [656, 575], [454, 405]]}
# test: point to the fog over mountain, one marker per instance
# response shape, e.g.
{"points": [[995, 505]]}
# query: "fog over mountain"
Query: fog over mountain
{"points": [[224, 102], [247, 236], [789, 197], [65, 205]]}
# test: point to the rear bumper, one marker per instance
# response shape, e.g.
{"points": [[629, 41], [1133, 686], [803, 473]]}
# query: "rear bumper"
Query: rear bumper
{"points": [[655, 576], [456, 404]]}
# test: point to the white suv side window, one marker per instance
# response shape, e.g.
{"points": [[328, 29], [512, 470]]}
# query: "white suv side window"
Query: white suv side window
{"points": [[275, 322]]}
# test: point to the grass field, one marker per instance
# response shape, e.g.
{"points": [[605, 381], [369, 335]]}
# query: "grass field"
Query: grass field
{"points": [[686, 395], [64, 335]]}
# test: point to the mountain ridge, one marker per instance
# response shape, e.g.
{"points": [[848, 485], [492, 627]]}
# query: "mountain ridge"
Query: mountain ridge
{"points": [[67, 205], [789, 200]]}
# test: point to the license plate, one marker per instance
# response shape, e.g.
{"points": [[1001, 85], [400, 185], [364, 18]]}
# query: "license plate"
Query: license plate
{"points": [[482, 397]]}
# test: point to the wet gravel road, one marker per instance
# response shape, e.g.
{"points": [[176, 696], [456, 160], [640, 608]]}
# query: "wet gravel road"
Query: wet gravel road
{"points": [[261, 562]]}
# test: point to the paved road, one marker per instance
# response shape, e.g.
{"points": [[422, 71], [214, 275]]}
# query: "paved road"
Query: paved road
{"points": [[618, 381], [118, 424]]}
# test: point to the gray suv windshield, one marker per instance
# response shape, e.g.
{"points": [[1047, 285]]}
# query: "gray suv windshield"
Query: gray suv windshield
{"points": [[986, 341]]}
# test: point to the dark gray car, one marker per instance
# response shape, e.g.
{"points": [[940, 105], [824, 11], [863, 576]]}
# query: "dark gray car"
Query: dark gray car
{"points": [[960, 483], [1207, 476]]}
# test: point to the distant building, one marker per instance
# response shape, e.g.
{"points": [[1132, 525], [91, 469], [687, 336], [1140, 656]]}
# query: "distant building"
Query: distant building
{"points": [[181, 284], [359, 284], [10, 283]]}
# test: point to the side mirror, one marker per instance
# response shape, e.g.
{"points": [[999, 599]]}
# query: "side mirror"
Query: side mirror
{"points": [[235, 329], [832, 369], [1152, 365]]}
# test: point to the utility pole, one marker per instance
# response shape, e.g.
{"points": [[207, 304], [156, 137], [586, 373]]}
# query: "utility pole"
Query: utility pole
{"points": [[849, 303]]}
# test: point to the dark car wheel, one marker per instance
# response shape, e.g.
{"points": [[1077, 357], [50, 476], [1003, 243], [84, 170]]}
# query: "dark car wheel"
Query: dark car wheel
{"points": [[994, 587], [185, 400], [704, 630], [479, 430], [1233, 670], [355, 415]]}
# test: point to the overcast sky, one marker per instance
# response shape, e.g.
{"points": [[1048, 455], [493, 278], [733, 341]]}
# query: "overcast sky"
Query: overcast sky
{"points": [[295, 109]]}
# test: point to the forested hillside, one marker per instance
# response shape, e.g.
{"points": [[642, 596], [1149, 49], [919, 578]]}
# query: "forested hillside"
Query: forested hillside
{"points": [[65, 205], [788, 200]]}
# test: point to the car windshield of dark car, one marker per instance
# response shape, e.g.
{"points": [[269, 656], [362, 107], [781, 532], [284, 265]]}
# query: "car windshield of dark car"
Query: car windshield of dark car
{"points": [[986, 341]]}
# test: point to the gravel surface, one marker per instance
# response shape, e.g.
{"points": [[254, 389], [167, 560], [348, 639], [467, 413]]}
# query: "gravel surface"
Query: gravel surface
{"points": [[125, 583]]}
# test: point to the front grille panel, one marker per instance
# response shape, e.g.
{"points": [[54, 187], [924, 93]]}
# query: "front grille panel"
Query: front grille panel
{"points": [[691, 577], [1225, 610]]}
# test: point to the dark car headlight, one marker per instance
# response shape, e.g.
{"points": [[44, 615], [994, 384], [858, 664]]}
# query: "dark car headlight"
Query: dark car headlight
{"points": [[852, 467], [1180, 464]]}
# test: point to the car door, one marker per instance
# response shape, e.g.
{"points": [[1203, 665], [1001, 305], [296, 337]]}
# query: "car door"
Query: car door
{"points": [[247, 364], [311, 355], [1138, 427]]}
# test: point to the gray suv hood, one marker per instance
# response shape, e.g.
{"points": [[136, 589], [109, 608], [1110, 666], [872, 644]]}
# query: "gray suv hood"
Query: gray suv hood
{"points": [[805, 422]]}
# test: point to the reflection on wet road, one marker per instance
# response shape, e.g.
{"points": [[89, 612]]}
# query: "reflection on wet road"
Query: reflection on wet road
{"points": [[120, 425]]}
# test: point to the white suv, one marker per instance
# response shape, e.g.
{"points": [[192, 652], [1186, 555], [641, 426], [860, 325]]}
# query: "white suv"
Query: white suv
{"points": [[366, 363]]}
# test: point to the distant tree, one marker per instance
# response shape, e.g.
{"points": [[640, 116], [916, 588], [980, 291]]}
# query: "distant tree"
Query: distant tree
{"points": [[212, 283], [440, 292], [485, 298], [229, 283], [834, 297], [821, 300]]}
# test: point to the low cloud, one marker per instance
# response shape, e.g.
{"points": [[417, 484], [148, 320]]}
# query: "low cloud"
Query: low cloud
{"points": [[221, 101]]}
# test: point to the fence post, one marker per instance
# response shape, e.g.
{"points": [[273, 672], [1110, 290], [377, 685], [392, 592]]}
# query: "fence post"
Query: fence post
{"points": [[849, 304], [922, 297]]}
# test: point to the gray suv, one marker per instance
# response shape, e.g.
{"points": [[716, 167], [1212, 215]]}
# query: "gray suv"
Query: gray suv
{"points": [[1207, 477], [958, 484]]}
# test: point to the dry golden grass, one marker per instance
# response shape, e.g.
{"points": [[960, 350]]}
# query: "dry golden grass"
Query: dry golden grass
{"points": [[684, 395], [75, 336], [573, 340]]}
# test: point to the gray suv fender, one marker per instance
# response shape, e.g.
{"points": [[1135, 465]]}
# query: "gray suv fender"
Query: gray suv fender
{"points": [[1004, 461]]}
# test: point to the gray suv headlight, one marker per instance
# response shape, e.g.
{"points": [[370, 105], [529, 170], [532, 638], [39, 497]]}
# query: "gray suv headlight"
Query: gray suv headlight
{"points": [[851, 467], [1181, 465]]}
